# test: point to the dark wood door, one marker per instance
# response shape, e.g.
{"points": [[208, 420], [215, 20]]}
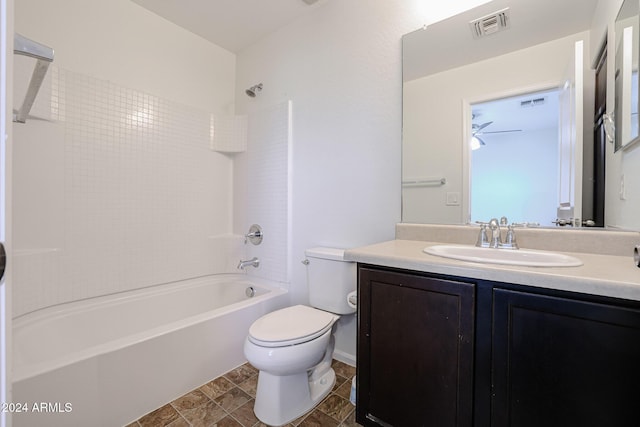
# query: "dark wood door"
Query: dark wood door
{"points": [[563, 362], [599, 142], [415, 350]]}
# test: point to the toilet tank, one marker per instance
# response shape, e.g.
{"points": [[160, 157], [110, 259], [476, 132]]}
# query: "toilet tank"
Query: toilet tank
{"points": [[330, 279]]}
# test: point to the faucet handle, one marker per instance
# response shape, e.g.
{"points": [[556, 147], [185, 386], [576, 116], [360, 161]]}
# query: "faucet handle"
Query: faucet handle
{"points": [[510, 239], [483, 237], [254, 235]]}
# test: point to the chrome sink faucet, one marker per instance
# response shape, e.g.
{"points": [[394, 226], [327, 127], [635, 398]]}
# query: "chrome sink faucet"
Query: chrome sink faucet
{"points": [[496, 237], [253, 262], [492, 237]]}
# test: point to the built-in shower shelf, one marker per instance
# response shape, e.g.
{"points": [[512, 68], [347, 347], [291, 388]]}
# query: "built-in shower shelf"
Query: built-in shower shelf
{"points": [[229, 133]]}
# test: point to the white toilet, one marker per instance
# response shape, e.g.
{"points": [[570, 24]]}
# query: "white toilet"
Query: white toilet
{"points": [[293, 347]]}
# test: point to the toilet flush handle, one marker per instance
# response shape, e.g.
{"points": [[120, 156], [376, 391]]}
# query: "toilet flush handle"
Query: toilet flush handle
{"points": [[305, 261], [352, 299]]}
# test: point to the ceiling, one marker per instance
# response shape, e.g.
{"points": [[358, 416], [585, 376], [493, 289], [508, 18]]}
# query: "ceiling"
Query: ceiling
{"points": [[231, 24]]}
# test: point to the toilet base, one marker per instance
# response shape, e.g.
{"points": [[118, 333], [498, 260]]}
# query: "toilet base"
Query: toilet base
{"points": [[282, 399]]}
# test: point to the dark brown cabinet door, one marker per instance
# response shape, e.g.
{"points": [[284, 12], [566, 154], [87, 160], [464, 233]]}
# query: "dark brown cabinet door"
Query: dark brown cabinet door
{"points": [[415, 350], [563, 362]]}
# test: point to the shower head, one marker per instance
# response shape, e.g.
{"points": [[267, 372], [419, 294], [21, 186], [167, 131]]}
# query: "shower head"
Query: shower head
{"points": [[253, 90]]}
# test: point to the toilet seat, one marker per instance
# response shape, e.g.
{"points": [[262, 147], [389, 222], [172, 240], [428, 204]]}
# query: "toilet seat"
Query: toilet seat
{"points": [[290, 326]]}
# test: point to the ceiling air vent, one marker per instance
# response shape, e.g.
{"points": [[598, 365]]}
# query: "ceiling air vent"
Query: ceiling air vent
{"points": [[490, 24], [532, 102]]}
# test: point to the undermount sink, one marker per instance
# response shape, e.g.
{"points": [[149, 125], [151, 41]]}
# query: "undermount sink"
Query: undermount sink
{"points": [[523, 257]]}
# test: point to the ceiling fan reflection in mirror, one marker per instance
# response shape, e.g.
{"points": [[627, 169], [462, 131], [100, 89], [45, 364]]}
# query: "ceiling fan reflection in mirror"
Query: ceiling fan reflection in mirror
{"points": [[477, 130]]}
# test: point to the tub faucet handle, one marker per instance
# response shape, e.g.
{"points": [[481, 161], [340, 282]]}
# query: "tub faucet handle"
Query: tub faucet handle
{"points": [[254, 235]]}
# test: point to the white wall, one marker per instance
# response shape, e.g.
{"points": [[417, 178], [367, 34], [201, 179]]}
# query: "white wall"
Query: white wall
{"points": [[341, 65], [125, 43], [116, 187]]}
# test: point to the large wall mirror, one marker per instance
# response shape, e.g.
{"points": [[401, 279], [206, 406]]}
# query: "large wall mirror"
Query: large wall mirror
{"points": [[498, 117], [626, 74]]}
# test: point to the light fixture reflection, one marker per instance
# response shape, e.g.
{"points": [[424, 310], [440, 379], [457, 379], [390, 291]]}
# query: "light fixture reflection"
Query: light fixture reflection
{"points": [[476, 143]]}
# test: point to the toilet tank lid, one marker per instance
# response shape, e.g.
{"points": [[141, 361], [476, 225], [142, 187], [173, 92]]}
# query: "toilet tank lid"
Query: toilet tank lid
{"points": [[325, 253]]}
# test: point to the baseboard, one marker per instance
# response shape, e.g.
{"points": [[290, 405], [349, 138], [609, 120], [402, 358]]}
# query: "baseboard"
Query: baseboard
{"points": [[343, 357]]}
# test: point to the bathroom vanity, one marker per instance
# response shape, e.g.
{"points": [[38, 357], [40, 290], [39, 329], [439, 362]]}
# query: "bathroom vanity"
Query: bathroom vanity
{"points": [[443, 342]]}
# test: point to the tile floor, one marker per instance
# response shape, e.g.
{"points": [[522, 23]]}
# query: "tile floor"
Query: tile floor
{"points": [[227, 401]]}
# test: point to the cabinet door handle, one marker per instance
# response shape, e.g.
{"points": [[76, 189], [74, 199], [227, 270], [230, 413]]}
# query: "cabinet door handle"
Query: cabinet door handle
{"points": [[3, 260]]}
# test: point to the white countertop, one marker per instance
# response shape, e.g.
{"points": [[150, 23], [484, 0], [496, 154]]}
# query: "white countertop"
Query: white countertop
{"points": [[606, 275]]}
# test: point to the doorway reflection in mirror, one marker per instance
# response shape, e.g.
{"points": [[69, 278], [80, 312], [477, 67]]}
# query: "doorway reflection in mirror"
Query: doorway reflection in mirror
{"points": [[516, 172]]}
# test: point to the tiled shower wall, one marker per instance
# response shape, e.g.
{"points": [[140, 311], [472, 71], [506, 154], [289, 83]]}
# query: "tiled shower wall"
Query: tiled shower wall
{"points": [[139, 200], [268, 189]]}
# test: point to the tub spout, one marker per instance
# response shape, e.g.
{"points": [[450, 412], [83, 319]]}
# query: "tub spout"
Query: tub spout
{"points": [[253, 262]]}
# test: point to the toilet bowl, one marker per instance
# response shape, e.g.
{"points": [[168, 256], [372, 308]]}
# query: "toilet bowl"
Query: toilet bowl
{"points": [[294, 362], [293, 347]]}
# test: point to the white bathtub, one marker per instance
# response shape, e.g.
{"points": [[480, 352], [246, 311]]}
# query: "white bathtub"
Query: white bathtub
{"points": [[107, 361]]}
